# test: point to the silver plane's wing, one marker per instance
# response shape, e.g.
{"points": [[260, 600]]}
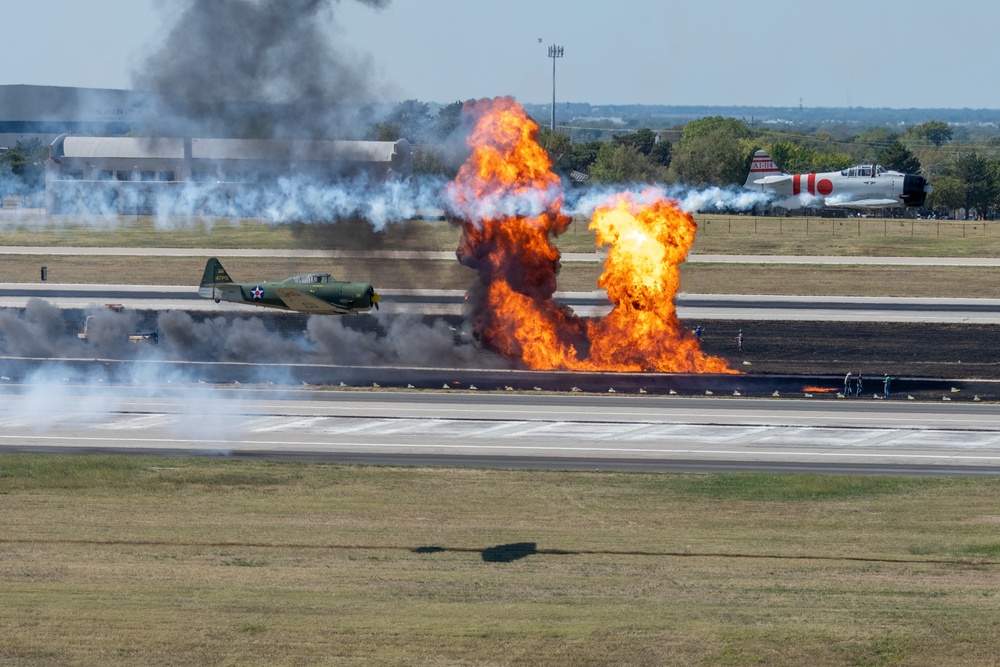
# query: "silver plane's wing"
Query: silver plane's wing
{"points": [[866, 203]]}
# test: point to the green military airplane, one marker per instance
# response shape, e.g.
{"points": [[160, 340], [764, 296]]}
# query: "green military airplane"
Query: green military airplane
{"points": [[316, 293]]}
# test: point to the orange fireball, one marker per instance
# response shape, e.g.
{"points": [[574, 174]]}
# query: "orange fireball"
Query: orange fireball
{"points": [[510, 205]]}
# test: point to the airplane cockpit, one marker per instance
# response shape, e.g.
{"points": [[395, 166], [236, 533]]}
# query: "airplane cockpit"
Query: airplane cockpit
{"points": [[312, 278], [864, 171]]}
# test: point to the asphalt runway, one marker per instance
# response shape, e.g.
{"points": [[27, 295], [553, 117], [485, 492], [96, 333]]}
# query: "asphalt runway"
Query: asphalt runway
{"points": [[543, 431], [587, 304], [513, 430]]}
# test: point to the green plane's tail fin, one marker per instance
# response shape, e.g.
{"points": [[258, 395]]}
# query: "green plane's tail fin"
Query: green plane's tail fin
{"points": [[215, 274]]}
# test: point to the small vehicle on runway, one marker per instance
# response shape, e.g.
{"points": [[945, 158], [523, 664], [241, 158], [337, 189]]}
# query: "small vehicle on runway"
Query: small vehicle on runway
{"points": [[151, 337]]}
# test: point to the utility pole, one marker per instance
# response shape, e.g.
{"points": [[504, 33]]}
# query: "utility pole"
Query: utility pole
{"points": [[554, 52]]}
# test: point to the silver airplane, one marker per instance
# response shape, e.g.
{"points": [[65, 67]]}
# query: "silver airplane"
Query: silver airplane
{"points": [[863, 186]]}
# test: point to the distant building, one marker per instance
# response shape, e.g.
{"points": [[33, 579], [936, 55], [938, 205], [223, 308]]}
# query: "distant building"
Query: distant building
{"points": [[101, 162], [45, 112], [132, 175]]}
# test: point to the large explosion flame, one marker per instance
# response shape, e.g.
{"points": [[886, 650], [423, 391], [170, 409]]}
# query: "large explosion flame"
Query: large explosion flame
{"points": [[510, 205]]}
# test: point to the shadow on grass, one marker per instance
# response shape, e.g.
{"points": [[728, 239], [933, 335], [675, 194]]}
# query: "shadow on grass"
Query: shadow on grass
{"points": [[501, 553], [506, 553]]}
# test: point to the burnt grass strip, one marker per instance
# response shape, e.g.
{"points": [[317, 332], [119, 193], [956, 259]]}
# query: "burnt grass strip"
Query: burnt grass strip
{"points": [[934, 350]]}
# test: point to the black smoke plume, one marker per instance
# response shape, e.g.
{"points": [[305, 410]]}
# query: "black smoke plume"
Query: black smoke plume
{"points": [[256, 68]]}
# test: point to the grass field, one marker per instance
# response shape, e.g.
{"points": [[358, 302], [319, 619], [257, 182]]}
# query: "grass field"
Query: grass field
{"points": [[696, 278], [717, 234], [131, 560]]}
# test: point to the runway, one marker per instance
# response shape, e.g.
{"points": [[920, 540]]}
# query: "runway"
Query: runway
{"points": [[511, 429], [451, 302], [759, 307], [573, 432]]}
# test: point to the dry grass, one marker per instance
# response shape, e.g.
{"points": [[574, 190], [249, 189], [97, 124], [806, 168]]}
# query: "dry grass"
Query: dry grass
{"points": [[696, 278], [136, 270], [717, 234], [841, 280], [122, 561], [143, 232], [878, 237]]}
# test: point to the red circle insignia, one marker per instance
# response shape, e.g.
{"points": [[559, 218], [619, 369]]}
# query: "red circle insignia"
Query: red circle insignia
{"points": [[825, 186]]}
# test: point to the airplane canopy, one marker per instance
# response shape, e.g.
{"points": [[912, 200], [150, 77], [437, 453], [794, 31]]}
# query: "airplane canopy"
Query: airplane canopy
{"points": [[311, 278], [865, 170]]}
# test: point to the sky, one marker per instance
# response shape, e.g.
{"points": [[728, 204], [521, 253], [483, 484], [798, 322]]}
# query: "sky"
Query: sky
{"points": [[876, 53]]}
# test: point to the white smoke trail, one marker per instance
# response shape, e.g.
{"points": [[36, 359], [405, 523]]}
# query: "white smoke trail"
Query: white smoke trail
{"points": [[465, 202], [290, 198], [691, 200]]}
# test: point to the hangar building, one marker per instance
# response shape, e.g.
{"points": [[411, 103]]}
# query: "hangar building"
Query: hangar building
{"points": [[134, 175], [98, 165]]}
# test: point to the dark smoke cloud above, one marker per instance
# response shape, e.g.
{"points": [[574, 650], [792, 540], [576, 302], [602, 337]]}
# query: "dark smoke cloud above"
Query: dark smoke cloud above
{"points": [[224, 57]]}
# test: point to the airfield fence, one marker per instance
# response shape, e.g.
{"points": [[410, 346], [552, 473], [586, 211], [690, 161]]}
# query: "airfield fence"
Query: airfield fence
{"points": [[857, 227]]}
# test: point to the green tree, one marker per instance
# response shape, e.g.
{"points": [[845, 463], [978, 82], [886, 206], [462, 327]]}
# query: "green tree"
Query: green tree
{"points": [[413, 118], [583, 155], [948, 194], [792, 158], [448, 119], [898, 157], [977, 174], [642, 140], [935, 131], [622, 163], [557, 145], [711, 125], [24, 165], [712, 151], [648, 143], [384, 131], [427, 160], [876, 137], [661, 152]]}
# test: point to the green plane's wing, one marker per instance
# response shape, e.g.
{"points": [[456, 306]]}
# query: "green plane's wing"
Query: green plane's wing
{"points": [[305, 303]]}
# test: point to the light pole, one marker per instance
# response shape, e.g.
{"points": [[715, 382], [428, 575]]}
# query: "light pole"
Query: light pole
{"points": [[554, 52]]}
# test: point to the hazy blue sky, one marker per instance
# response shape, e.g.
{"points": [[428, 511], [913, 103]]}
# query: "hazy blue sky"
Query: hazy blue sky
{"points": [[876, 53]]}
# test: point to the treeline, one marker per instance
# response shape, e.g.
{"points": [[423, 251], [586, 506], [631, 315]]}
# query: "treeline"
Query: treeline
{"points": [[717, 150], [709, 151], [22, 168]]}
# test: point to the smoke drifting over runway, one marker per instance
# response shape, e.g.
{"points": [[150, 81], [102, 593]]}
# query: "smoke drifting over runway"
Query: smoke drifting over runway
{"points": [[43, 330]]}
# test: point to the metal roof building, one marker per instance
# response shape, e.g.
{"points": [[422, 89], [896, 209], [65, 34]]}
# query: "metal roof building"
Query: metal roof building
{"points": [[137, 174]]}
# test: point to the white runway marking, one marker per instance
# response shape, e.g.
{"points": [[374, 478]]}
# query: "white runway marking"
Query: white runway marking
{"points": [[519, 427], [221, 444]]}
